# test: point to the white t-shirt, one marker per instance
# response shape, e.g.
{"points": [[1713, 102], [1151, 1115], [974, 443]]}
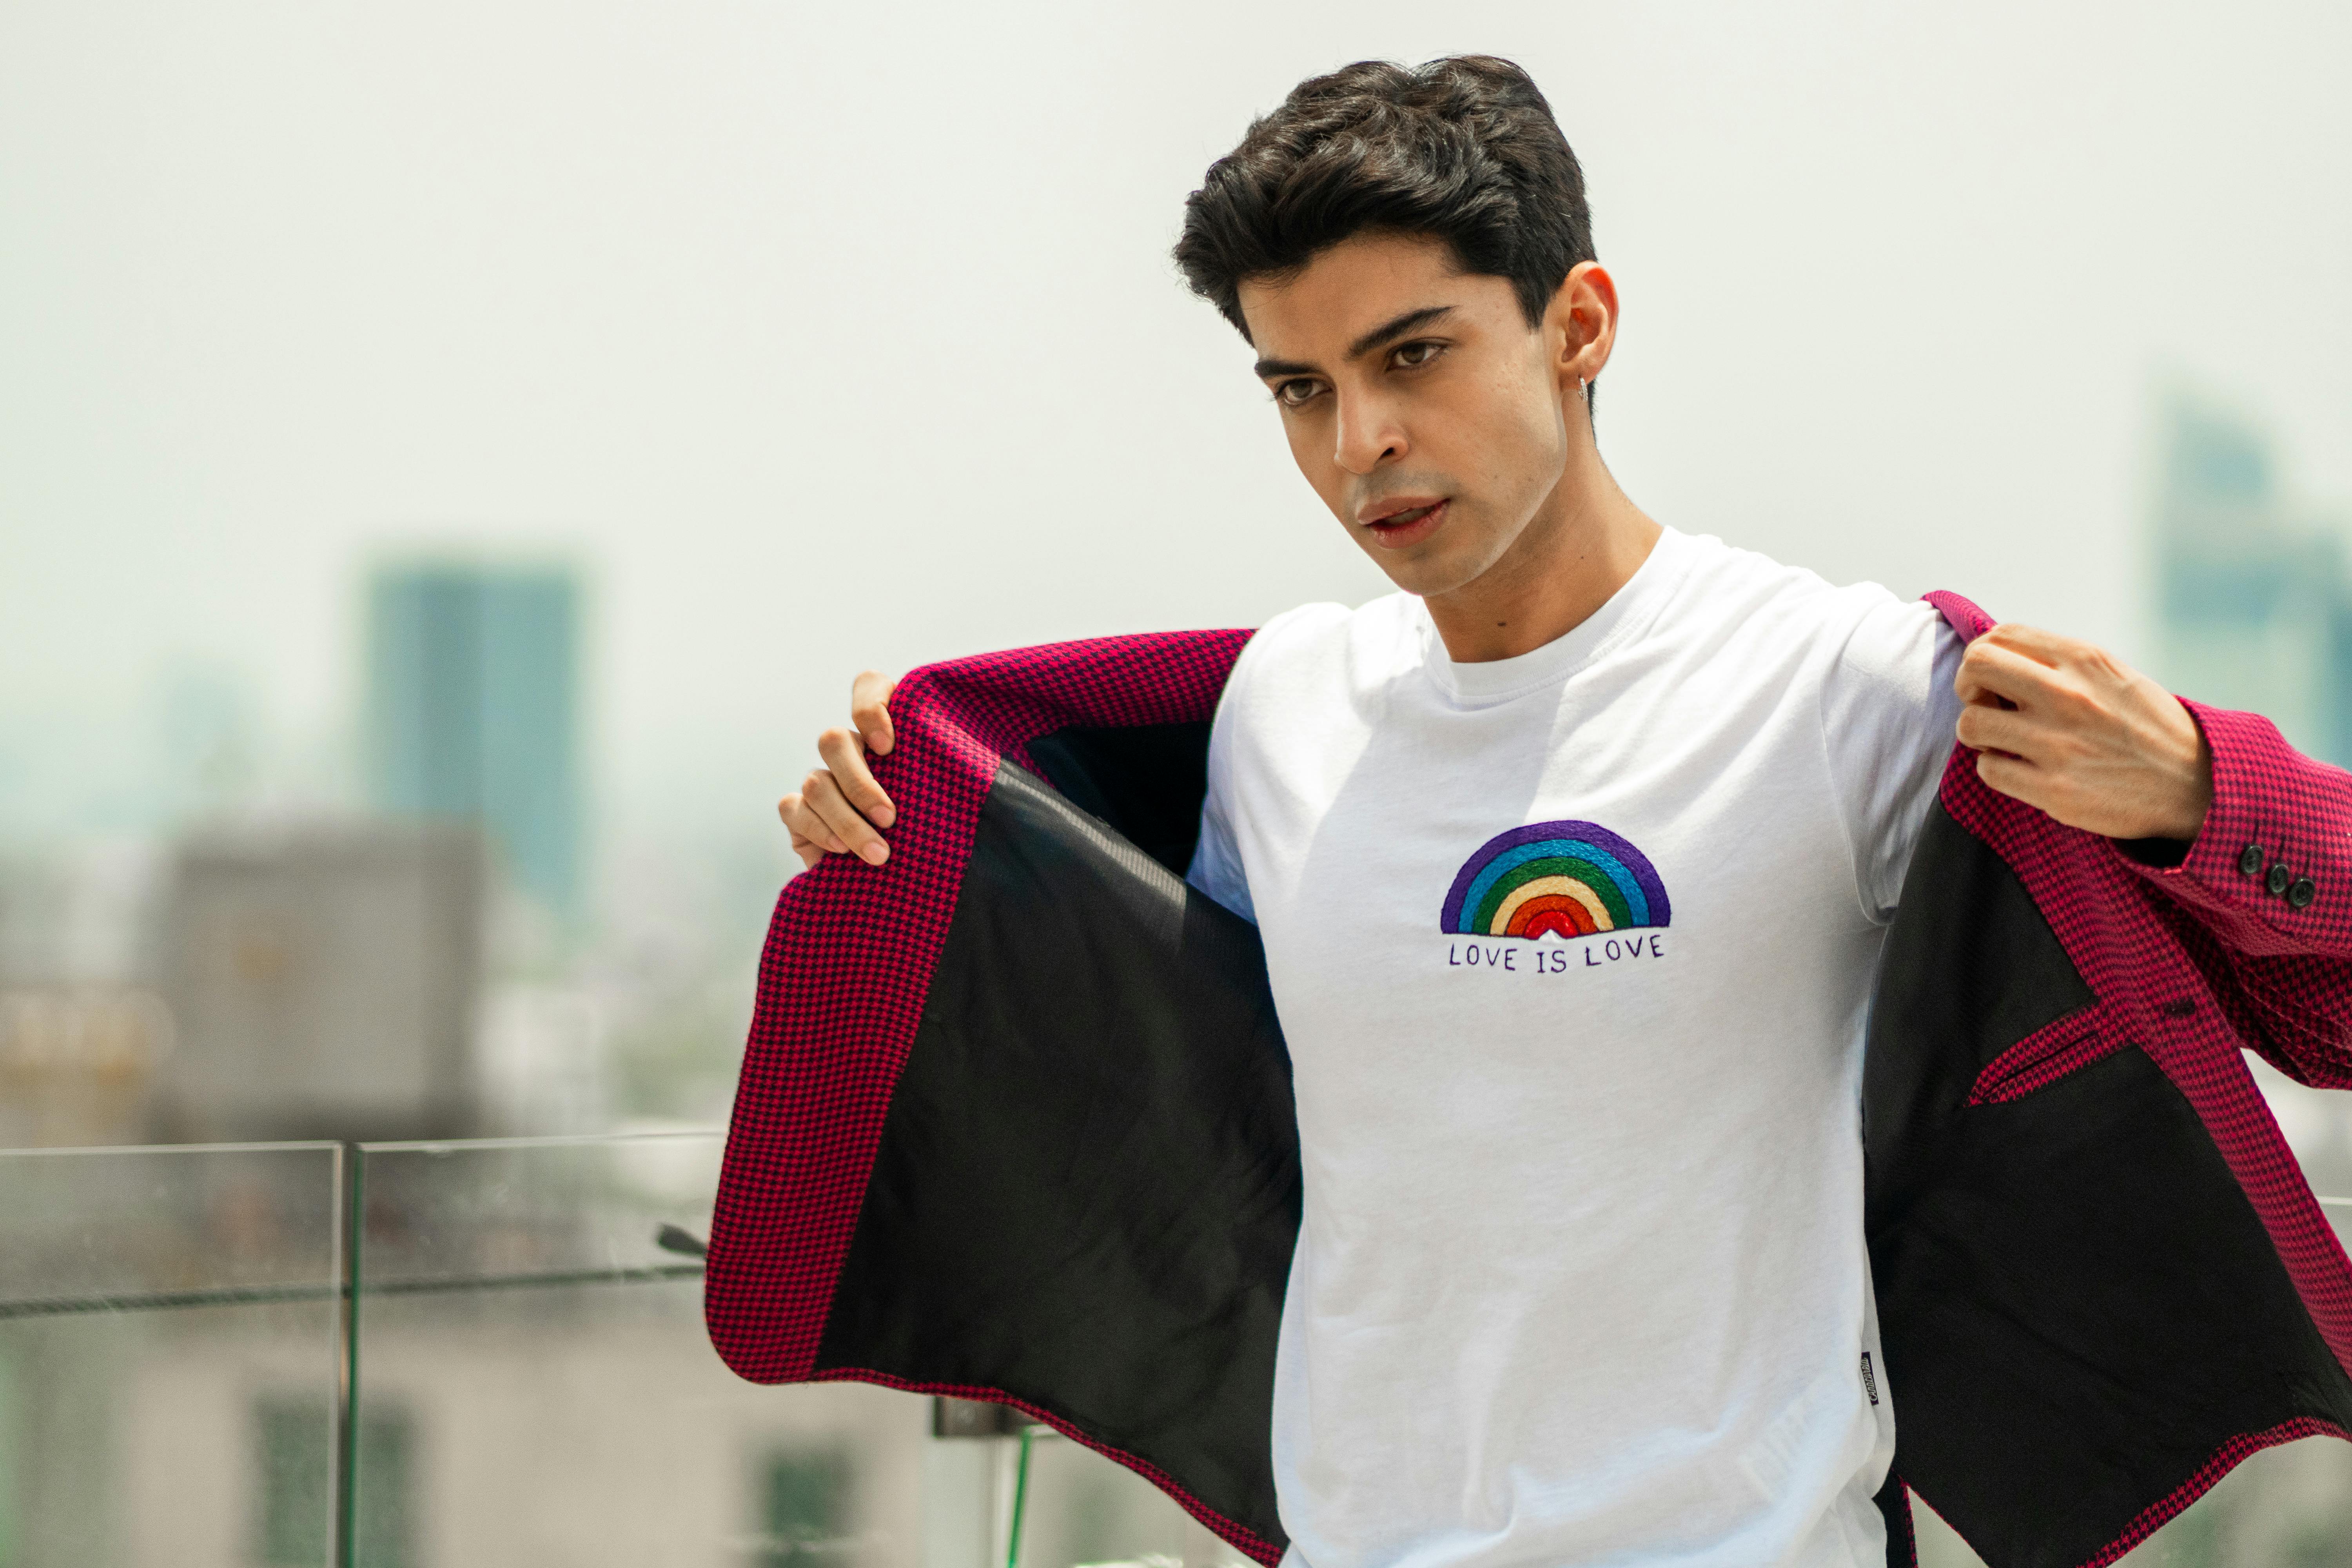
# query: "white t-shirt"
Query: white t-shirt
{"points": [[1573, 952]]}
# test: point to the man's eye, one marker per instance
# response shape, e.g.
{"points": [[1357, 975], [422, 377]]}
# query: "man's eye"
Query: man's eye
{"points": [[1295, 393], [1408, 355]]}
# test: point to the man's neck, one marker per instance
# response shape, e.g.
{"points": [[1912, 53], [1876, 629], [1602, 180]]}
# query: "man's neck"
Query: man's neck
{"points": [[1584, 544]]}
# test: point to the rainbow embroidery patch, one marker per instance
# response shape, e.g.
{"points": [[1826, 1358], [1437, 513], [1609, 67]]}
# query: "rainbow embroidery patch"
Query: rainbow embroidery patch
{"points": [[1572, 878]]}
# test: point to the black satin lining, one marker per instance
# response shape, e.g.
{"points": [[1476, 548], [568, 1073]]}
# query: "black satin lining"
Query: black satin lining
{"points": [[2078, 1302], [1145, 781], [1087, 1190]]}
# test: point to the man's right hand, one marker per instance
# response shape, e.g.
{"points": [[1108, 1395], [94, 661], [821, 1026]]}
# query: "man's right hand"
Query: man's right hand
{"points": [[839, 806]]}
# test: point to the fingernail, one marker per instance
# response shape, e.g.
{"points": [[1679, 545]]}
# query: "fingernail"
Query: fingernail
{"points": [[875, 853], [884, 814]]}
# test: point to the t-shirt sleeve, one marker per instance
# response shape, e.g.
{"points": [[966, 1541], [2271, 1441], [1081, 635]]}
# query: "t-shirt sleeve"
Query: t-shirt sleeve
{"points": [[1888, 711], [1216, 867]]}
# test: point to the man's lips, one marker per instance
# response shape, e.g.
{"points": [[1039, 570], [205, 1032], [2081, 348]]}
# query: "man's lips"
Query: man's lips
{"points": [[1408, 521]]}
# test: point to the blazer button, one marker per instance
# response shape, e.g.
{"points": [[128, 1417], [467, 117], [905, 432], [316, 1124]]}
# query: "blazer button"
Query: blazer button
{"points": [[2299, 897], [2279, 879], [2250, 860]]}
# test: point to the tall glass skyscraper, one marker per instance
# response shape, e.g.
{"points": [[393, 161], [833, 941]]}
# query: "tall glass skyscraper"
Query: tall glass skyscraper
{"points": [[473, 712]]}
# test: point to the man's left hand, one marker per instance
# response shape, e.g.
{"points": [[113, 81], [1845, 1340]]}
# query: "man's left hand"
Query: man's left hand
{"points": [[2069, 727]]}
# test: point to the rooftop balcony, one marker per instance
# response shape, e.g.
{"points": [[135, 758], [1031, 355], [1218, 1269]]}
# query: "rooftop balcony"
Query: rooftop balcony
{"points": [[438, 1355]]}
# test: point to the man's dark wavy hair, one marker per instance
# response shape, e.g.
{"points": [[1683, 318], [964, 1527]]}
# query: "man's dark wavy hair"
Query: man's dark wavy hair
{"points": [[1464, 149]]}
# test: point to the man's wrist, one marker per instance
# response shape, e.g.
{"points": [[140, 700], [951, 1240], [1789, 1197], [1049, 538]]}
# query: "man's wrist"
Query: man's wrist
{"points": [[2195, 792]]}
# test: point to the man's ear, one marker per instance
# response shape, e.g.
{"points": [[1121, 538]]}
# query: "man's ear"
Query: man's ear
{"points": [[1582, 322]]}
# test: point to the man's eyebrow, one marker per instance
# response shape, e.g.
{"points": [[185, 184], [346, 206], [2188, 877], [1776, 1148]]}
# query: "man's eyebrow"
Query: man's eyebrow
{"points": [[1385, 333], [1389, 332]]}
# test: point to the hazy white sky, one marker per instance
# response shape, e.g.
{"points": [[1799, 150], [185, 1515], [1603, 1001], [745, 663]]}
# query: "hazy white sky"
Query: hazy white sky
{"points": [[829, 336]]}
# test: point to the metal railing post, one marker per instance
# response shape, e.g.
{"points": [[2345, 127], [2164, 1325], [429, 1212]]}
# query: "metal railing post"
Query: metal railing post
{"points": [[352, 1164]]}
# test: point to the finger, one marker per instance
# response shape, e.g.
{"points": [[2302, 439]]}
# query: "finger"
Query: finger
{"points": [[2044, 648], [845, 754], [2014, 777], [869, 697], [1988, 671], [807, 824], [808, 850], [1987, 728], [807, 827], [824, 796]]}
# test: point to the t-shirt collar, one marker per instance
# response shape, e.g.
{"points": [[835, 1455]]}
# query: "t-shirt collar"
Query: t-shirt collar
{"points": [[1626, 613]]}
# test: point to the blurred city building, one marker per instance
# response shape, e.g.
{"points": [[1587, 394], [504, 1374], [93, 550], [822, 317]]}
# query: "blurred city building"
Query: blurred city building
{"points": [[82, 1035], [486, 1438], [77, 1064], [2255, 607], [258, 965], [324, 982], [473, 696]]}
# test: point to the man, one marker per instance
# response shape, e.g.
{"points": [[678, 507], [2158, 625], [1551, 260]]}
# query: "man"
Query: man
{"points": [[1582, 1275]]}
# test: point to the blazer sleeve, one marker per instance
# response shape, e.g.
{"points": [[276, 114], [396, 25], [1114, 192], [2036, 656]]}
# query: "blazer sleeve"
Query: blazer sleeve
{"points": [[2269, 880]]}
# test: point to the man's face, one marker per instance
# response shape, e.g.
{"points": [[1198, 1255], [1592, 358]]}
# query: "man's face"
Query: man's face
{"points": [[1418, 404]]}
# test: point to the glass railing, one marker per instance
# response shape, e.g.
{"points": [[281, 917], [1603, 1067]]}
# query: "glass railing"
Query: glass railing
{"points": [[521, 1376], [170, 1327]]}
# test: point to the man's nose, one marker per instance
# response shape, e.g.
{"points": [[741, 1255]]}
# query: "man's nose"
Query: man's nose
{"points": [[1369, 433]]}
